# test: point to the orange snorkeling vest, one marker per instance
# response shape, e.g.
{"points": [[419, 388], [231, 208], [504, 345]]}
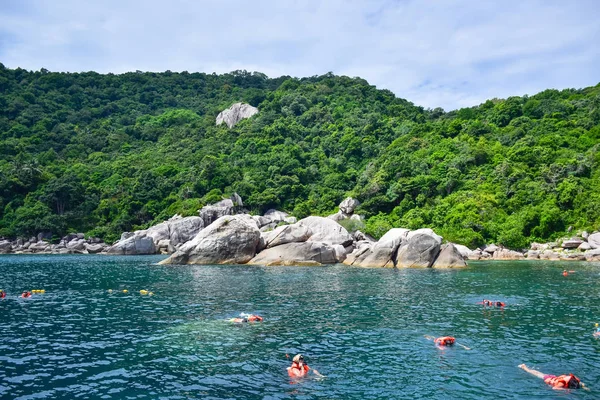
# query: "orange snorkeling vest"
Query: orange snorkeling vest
{"points": [[296, 371], [445, 341], [554, 381]]}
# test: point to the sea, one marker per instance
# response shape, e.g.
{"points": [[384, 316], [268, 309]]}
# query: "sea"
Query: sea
{"points": [[123, 327]]}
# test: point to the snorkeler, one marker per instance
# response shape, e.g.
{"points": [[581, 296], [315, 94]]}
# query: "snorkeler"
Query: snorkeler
{"points": [[491, 303], [444, 341], [560, 382], [299, 369], [247, 318]]}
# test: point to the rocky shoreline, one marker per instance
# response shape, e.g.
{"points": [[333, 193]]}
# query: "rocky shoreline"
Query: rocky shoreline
{"points": [[584, 247], [224, 233]]}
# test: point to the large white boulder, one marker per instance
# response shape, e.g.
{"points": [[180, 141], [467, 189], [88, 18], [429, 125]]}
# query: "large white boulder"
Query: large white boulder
{"points": [[286, 234], [380, 254], [325, 230], [420, 251], [229, 240], [594, 240], [348, 205], [307, 253], [132, 246], [377, 256], [449, 257], [234, 114], [184, 229]]}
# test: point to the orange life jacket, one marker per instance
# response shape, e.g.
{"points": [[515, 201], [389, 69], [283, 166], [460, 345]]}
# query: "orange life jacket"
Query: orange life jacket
{"points": [[555, 381], [254, 318], [296, 371], [445, 341]]}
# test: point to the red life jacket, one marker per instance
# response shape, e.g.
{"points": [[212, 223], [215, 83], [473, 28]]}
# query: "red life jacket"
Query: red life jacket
{"points": [[445, 341], [2, 295], [26, 294], [296, 371]]}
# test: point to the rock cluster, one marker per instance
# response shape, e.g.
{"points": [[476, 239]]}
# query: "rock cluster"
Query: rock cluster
{"points": [[234, 114], [402, 248], [74, 243], [224, 233], [277, 239], [585, 247], [164, 238], [229, 240]]}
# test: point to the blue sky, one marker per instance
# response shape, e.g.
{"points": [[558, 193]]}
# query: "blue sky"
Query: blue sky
{"points": [[435, 53]]}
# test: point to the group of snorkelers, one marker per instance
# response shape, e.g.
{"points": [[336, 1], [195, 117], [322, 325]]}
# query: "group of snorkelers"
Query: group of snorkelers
{"points": [[493, 303], [25, 295], [299, 368], [560, 382]]}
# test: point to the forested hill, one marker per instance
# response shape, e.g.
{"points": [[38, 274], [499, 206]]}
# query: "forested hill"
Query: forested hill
{"points": [[103, 154]]}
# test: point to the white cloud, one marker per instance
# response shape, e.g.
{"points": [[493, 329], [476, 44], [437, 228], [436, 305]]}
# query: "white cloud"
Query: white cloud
{"points": [[451, 53]]}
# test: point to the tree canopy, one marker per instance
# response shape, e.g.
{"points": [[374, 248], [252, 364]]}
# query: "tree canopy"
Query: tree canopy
{"points": [[103, 154]]}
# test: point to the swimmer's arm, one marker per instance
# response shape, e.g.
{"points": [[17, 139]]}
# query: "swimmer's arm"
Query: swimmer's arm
{"points": [[584, 387], [532, 371]]}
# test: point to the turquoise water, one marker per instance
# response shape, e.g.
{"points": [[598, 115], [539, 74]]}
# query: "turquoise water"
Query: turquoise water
{"points": [[362, 328]]}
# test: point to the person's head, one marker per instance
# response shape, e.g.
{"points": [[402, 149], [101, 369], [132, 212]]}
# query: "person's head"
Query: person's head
{"points": [[573, 382], [298, 359]]}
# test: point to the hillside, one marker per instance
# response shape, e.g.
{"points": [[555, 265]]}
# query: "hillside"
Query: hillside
{"points": [[103, 154]]}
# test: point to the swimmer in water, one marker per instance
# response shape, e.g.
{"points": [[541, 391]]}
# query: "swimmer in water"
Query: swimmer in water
{"points": [[561, 382], [25, 295], [491, 303], [597, 332], [247, 318], [444, 341], [2, 294], [299, 369]]}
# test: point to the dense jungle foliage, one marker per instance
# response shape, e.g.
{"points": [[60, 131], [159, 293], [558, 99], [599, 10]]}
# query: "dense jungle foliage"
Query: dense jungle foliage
{"points": [[103, 154]]}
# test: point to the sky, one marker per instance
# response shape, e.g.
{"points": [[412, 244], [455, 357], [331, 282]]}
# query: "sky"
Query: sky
{"points": [[434, 53]]}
